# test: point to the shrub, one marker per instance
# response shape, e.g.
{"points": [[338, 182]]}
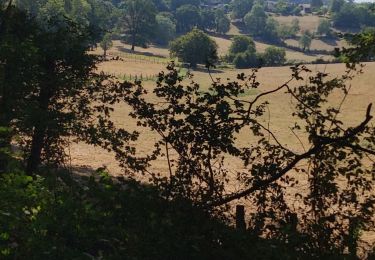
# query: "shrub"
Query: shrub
{"points": [[245, 60], [273, 56], [242, 43]]}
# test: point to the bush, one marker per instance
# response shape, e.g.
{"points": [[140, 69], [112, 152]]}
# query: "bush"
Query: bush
{"points": [[324, 27], [241, 43], [273, 56], [245, 60], [56, 216]]}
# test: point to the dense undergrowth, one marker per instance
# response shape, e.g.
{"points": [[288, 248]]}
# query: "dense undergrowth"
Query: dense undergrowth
{"points": [[57, 216]]}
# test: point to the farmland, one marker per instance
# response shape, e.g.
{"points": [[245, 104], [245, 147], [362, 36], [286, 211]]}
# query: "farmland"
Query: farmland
{"points": [[187, 129]]}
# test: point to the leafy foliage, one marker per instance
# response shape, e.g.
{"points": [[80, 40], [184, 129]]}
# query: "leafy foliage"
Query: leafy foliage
{"points": [[200, 127], [305, 40], [195, 47], [138, 18], [273, 56], [106, 43]]}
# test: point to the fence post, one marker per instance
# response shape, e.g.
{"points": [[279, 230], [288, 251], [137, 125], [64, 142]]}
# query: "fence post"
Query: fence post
{"points": [[240, 217]]}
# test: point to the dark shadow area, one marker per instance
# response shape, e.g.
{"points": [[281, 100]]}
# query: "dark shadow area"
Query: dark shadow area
{"points": [[205, 70], [219, 35], [122, 49], [332, 41]]}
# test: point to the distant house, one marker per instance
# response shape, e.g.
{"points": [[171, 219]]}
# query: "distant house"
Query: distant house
{"points": [[305, 8]]}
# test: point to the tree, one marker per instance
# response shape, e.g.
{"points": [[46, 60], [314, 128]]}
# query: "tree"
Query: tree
{"points": [[295, 26], [175, 4], [270, 31], [285, 32], [346, 17], [316, 4], [138, 19], [207, 19], [256, 20], [283, 7], [242, 52], [335, 5], [195, 47], [273, 56], [240, 8], [241, 43], [106, 43], [187, 17], [244, 60], [222, 22], [166, 30], [305, 40], [324, 27], [58, 94]]}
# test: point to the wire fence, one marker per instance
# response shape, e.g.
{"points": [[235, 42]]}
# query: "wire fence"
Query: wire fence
{"points": [[141, 58]]}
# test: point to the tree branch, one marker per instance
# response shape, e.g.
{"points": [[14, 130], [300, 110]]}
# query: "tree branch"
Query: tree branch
{"points": [[318, 146]]}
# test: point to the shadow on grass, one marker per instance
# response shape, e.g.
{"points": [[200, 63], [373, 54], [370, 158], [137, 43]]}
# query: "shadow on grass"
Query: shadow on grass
{"points": [[145, 53]]}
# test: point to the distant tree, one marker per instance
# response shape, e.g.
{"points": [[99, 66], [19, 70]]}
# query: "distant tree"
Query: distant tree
{"points": [[222, 22], [335, 5], [346, 17], [273, 56], [80, 10], [174, 4], [160, 5], [138, 21], [188, 17], [207, 19], [242, 52], [316, 4], [285, 32], [324, 27], [270, 31], [245, 60], [195, 47], [240, 8], [242, 43], [305, 40], [103, 17], [106, 43], [295, 26], [256, 20], [297, 10], [165, 30], [282, 7]]}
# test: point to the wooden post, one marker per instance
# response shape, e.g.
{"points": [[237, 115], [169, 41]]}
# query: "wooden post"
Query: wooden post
{"points": [[240, 217]]}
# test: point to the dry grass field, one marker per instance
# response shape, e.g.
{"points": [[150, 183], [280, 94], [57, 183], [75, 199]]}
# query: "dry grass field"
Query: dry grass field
{"points": [[318, 44], [361, 94], [307, 22]]}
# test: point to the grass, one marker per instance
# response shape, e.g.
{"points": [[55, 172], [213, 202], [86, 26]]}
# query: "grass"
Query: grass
{"points": [[307, 22], [280, 108]]}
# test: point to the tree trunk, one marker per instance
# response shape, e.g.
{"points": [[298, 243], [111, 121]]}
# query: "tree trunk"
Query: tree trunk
{"points": [[36, 150], [40, 128], [133, 41]]}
